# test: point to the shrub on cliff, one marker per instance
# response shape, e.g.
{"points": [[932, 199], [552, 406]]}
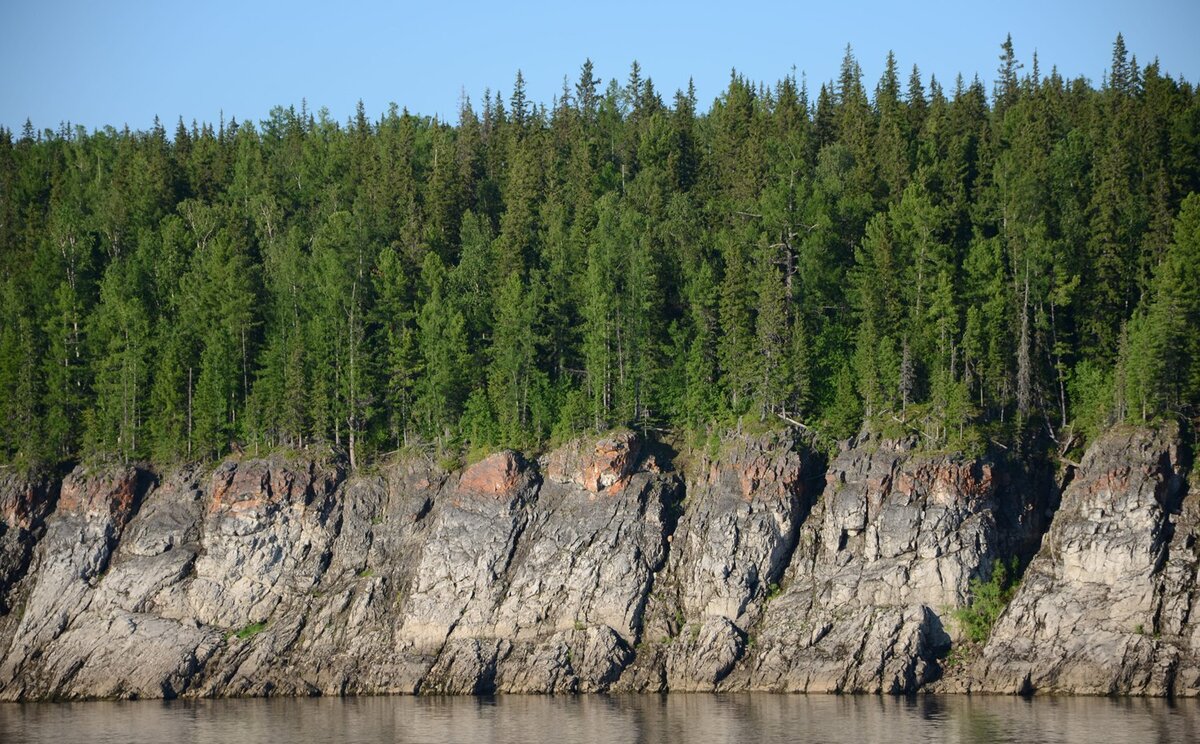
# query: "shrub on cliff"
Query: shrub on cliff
{"points": [[988, 600]]}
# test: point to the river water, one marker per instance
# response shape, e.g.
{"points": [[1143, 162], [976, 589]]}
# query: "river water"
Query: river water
{"points": [[690, 719]]}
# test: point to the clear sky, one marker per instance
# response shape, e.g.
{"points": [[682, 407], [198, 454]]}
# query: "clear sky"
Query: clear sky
{"points": [[97, 63]]}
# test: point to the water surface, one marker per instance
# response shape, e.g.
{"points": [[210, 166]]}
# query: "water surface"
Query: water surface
{"points": [[694, 719]]}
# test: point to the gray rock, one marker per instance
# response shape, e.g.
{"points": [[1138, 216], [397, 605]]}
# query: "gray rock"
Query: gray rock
{"points": [[459, 577], [539, 587], [268, 529], [118, 654], [25, 502], [1104, 606], [732, 544], [887, 552], [703, 654], [591, 571], [69, 562]]}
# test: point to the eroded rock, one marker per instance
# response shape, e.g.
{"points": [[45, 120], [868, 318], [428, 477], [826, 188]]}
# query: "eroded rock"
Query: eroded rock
{"points": [[733, 542], [595, 465], [887, 553], [25, 502], [1104, 608], [595, 570], [73, 557]]}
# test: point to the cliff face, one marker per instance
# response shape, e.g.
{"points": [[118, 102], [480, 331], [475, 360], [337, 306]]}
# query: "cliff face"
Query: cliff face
{"points": [[735, 536], [275, 577], [886, 555], [1106, 607], [24, 506], [598, 567]]}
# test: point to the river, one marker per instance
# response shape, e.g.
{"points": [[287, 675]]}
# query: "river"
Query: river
{"points": [[694, 719]]}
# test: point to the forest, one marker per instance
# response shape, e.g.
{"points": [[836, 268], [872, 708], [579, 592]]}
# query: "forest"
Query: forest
{"points": [[1019, 265]]}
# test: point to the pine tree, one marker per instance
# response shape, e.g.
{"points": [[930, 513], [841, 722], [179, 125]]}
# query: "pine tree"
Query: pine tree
{"points": [[844, 415], [66, 372], [395, 345], [600, 325], [514, 379], [891, 138], [1007, 85], [734, 345], [215, 395], [1160, 359], [1024, 257], [170, 398], [122, 338], [442, 339], [801, 387], [772, 347], [702, 401], [19, 381]]}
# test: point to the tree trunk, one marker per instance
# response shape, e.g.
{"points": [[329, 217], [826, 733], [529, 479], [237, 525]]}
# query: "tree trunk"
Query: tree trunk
{"points": [[1024, 391]]}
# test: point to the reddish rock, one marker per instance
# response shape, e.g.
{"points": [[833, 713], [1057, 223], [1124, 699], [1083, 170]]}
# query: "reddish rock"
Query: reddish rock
{"points": [[602, 466], [500, 474], [947, 482], [252, 485], [763, 467], [240, 487], [112, 494], [767, 473], [24, 503], [611, 462]]}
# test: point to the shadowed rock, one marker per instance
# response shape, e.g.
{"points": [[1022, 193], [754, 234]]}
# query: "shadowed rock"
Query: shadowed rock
{"points": [[24, 505], [1106, 606], [889, 548]]}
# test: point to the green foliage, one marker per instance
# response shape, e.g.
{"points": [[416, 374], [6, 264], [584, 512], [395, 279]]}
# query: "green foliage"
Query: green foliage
{"points": [[248, 632], [121, 334], [939, 262], [478, 424], [443, 346], [988, 600], [844, 415], [514, 381], [18, 382], [1091, 391], [1159, 359]]}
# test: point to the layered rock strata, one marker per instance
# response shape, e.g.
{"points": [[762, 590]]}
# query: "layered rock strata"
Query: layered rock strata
{"points": [[1107, 606], [886, 556], [610, 564]]}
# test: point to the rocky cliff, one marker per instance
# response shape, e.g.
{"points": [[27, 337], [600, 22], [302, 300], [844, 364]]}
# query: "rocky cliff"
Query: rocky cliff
{"points": [[1106, 607], [611, 564]]}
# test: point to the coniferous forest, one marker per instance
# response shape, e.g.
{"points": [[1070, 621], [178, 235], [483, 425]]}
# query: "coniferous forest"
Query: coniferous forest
{"points": [[1010, 261]]}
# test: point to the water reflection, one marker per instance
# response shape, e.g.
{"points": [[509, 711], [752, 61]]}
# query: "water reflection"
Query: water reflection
{"points": [[695, 719]]}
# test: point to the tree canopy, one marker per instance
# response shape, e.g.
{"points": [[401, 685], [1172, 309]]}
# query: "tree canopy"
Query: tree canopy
{"points": [[949, 260]]}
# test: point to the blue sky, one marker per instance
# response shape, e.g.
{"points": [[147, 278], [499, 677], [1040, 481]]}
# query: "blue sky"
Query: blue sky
{"points": [[118, 63]]}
